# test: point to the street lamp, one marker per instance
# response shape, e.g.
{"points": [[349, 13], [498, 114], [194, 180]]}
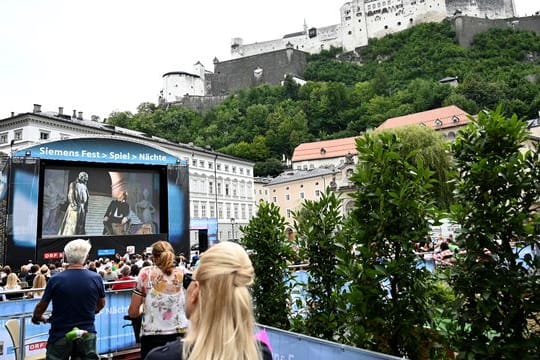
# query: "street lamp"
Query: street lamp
{"points": [[232, 227]]}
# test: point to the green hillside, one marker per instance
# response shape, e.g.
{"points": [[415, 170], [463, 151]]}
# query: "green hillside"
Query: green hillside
{"points": [[397, 75]]}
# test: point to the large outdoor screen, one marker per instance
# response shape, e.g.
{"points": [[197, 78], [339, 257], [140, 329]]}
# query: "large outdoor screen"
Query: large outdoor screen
{"points": [[99, 201]]}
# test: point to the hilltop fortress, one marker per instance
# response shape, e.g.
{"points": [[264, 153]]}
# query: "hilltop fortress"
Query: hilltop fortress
{"points": [[268, 62], [365, 19]]}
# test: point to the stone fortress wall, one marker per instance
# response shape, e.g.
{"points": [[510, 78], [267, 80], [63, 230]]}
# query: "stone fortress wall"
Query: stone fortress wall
{"points": [[467, 27], [487, 9]]}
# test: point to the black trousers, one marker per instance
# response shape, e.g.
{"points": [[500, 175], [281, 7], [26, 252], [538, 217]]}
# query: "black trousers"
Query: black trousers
{"points": [[149, 342]]}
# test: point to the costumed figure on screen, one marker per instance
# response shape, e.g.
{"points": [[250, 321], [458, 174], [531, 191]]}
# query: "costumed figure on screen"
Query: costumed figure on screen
{"points": [[145, 210], [52, 201], [75, 217], [116, 218]]}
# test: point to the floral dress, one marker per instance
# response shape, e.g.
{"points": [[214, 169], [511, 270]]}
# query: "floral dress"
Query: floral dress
{"points": [[163, 301]]}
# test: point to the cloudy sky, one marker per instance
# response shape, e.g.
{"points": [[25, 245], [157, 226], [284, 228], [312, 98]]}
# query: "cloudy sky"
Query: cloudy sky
{"points": [[102, 56]]}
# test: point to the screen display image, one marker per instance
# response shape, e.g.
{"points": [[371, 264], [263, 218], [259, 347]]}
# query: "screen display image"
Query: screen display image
{"points": [[78, 201]]}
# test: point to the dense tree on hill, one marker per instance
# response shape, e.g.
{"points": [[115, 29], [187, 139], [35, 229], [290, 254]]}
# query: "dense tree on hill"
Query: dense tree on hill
{"points": [[398, 75]]}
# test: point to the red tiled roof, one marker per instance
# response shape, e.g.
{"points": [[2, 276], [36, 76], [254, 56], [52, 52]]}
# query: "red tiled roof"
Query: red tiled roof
{"points": [[445, 117], [326, 149]]}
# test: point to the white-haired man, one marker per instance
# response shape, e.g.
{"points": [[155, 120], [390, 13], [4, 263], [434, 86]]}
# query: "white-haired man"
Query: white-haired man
{"points": [[77, 295]]}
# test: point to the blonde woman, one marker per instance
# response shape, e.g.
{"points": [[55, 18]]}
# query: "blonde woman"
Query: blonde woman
{"points": [[219, 306], [40, 281], [12, 287], [159, 290]]}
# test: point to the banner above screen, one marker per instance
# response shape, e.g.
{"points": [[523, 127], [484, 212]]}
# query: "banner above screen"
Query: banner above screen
{"points": [[104, 150]]}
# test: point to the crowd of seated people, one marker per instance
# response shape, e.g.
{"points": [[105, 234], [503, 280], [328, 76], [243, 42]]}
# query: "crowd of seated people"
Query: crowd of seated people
{"points": [[119, 273], [442, 251]]}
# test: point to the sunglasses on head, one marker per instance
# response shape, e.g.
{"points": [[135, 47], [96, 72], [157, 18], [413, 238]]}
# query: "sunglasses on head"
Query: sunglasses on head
{"points": [[188, 278]]}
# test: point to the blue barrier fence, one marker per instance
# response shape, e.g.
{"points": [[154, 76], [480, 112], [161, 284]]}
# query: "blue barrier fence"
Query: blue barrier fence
{"points": [[116, 334]]}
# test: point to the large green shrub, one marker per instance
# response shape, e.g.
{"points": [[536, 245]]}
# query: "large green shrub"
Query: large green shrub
{"points": [[317, 225], [387, 303], [271, 251], [497, 194]]}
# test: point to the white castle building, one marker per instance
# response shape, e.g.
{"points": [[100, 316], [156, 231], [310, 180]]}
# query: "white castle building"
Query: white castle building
{"points": [[365, 19]]}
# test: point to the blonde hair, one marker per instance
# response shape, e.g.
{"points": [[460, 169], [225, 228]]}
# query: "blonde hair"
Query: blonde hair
{"points": [[163, 254], [222, 322], [44, 269], [12, 281], [40, 281]]}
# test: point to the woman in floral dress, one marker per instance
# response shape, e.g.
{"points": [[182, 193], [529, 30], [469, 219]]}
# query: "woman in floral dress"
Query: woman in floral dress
{"points": [[159, 291]]}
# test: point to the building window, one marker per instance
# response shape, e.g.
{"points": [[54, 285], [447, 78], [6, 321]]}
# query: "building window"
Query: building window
{"points": [[220, 210], [210, 165], [210, 187], [226, 189], [274, 199], [250, 211], [226, 167], [236, 211], [317, 193], [248, 172], [3, 138], [44, 135], [212, 210], [201, 163], [195, 209], [287, 197], [241, 171], [288, 213], [228, 207], [203, 209], [219, 188], [219, 166], [194, 162], [301, 195], [18, 135], [243, 209], [234, 169]]}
